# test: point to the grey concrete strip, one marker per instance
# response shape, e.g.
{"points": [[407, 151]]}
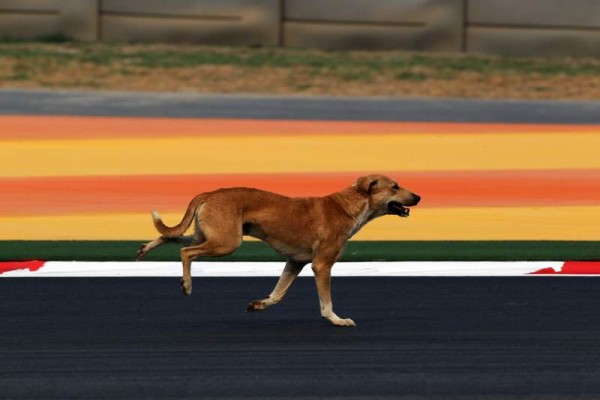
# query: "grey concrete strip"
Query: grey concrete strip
{"points": [[46, 102]]}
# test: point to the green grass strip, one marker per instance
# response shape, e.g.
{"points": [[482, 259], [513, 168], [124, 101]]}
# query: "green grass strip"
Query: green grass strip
{"points": [[355, 251], [362, 64]]}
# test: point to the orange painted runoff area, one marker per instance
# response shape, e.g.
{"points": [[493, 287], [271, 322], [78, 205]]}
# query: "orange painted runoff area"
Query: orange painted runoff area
{"points": [[99, 177], [73, 127], [171, 193]]}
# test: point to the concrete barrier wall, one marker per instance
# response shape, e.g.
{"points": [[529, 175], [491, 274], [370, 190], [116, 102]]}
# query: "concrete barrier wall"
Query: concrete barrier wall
{"points": [[29, 19], [224, 22], [509, 27], [364, 24], [533, 27]]}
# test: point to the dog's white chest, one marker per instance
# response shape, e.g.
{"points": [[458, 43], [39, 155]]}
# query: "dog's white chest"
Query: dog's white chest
{"points": [[361, 220]]}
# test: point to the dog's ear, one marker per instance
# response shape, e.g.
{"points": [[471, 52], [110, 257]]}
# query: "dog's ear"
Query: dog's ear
{"points": [[366, 184]]}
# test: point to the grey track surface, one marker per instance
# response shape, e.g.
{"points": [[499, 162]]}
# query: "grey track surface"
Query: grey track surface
{"points": [[417, 338], [295, 107]]}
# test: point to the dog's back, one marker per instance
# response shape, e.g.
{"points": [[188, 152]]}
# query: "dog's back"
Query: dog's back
{"points": [[283, 222]]}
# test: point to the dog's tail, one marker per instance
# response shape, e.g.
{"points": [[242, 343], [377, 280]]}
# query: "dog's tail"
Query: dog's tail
{"points": [[179, 229]]}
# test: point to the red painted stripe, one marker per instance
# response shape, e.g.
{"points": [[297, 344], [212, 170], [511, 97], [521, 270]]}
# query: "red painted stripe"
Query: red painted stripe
{"points": [[32, 265], [573, 268]]}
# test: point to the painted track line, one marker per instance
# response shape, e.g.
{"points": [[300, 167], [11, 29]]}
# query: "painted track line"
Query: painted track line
{"points": [[273, 269]]}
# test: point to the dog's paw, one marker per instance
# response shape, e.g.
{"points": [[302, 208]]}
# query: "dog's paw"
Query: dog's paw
{"points": [[141, 252], [186, 287], [256, 305], [342, 322]]}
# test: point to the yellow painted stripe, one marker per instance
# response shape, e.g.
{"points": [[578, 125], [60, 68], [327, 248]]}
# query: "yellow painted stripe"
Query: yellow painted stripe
{"points": [[476, 223], [424, 152]]}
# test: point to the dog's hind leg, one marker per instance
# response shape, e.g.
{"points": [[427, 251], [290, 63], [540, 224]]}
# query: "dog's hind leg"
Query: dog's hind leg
{"points": [[145, 248], [219, 232], [289, 274], [210, 248]]}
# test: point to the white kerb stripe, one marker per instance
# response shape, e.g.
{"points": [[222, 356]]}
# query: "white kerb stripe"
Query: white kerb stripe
{"points": [[249, 269]]}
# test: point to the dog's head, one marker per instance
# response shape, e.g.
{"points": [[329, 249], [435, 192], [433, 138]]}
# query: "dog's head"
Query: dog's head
{"points": [[385, 195]]}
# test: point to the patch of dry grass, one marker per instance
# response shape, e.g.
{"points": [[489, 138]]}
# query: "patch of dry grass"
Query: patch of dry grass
{"points": [[288, 71]]}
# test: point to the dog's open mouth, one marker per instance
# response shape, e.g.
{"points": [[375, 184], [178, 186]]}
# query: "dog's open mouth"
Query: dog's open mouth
{"points": [[398, 209]]}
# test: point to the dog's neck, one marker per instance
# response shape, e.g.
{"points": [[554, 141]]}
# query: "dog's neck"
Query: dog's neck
{"points": [[355, 206]]}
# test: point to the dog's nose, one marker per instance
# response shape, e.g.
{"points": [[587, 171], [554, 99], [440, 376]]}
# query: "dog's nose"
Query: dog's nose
{"points": [[416, 199]]}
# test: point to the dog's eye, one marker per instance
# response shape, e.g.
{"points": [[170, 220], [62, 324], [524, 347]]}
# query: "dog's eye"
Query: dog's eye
{"points": [[395, 186]]}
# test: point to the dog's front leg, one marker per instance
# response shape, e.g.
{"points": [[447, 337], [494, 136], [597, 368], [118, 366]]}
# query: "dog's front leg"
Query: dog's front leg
{"points": [[322, 270], [289, 274]]}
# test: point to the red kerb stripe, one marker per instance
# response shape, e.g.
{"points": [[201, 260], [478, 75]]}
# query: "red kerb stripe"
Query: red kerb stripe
{"points": [[573, 268], [32, 265]]}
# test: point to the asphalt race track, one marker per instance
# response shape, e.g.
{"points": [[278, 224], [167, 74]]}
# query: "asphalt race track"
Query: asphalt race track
{"points": [[189, 105], [447, 338]]}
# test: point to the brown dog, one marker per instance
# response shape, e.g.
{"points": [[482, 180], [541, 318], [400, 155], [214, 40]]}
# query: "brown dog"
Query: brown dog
{"points": [[308, 229]]}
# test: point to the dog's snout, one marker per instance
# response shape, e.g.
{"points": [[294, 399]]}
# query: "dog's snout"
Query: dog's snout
{"points": [[416, 199]]}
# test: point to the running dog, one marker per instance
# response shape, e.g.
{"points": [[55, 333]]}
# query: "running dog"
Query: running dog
{"points": [[303, 230]]}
